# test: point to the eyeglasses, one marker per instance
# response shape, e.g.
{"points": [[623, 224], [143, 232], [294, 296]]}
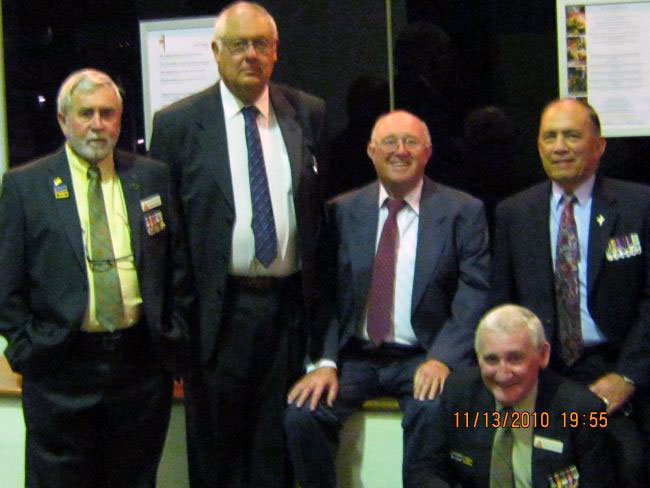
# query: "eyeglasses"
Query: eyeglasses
{"points": [[262, 45], [391, 144], [103, 265]]}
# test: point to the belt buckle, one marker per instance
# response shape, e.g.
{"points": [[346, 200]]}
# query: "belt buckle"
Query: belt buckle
{"points": [[110, 341]]}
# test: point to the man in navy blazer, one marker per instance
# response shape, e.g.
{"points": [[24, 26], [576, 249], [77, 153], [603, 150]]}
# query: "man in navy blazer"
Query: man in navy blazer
{"points": [[246, 342], [96, 393], [613, 230], [556, 426], [441, 276]]}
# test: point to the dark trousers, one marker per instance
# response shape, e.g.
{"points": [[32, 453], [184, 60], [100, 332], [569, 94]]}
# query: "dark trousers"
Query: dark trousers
{"points": [[628, 428], [99, 419], [235, 404], [364, 373]]}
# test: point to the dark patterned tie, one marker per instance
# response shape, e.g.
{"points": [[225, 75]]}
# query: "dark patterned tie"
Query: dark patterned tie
{"points": [[382, 286], [109, 310], [567, 291], [501, 471], [266, 241]]}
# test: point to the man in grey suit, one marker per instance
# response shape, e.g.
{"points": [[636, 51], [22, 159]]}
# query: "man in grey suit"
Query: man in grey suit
{"points": [[243, 156], [410, 277], [600, 331], [91, 298]]}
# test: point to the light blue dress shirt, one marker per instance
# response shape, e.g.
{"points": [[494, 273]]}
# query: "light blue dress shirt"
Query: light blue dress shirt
{"points": [[591, 334]]}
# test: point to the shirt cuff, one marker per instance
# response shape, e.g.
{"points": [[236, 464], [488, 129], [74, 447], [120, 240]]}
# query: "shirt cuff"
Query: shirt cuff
{"points": [[321, 363]]}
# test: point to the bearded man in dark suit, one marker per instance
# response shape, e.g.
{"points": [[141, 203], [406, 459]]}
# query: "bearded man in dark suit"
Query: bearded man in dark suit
{"points": [[92, 299]]}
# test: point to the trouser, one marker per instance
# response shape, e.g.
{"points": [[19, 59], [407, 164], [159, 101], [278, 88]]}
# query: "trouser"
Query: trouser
{"points": [[235, 403], [100, 418], [364, 373]]}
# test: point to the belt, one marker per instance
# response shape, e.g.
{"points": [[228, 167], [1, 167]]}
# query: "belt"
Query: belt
{"points": [[112, 341], [263, 283]]}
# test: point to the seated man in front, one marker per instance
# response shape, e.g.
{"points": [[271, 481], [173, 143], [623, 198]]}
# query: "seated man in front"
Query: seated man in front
{"points": [[510, 424]]}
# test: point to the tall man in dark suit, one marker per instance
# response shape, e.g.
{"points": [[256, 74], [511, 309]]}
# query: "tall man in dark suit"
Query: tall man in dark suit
{"points": [[243, 155], [594, 304], [509, 423], [90, 261], [410, 278]]}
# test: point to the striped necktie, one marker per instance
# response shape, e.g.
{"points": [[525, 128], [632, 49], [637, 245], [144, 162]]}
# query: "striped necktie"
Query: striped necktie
{"points": [[263, 223]]}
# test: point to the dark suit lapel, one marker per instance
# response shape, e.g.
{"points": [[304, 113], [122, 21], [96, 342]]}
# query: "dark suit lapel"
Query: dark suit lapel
{"points": [[211, 136], [365, 213], [603, 210], [67, 207], [291, 132], [132, 191], [539, 236], [430, 243]]}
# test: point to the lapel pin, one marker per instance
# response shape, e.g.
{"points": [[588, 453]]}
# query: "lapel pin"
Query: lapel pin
{"points": [[600, 219], [60, 189]]}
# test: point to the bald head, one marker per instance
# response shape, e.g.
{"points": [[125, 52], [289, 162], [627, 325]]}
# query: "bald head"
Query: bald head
{"points": [[400, 147]]}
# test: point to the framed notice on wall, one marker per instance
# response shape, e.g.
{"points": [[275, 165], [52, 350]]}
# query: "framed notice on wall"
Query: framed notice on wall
{"points": [[604, 59], [176, 61]]}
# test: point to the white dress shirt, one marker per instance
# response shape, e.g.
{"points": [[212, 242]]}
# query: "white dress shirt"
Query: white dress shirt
{"points": [[278, 171]]}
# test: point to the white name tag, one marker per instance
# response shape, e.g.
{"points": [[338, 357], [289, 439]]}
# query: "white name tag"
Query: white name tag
{"points": [[548, 444], [150, 202]]}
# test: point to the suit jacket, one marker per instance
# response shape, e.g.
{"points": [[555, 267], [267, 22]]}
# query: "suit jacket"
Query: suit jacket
{"points": [[190, 136], [44, 281], [459, 453], [451, 270], [618, 290]]}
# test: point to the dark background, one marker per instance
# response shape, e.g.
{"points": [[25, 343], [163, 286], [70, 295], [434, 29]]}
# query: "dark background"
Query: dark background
{"points": [[482, 53]]}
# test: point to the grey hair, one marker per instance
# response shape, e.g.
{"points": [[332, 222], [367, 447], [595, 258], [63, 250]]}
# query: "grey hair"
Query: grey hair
{"points": [[220, 23], [510, 318], [85, 80]]}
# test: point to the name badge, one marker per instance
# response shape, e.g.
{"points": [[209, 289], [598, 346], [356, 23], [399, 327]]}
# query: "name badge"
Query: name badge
{"points": [[548, 444], [151, 202]]}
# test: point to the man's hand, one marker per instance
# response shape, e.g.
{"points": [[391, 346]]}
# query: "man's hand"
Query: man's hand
{"points": [[313, 385], [613, 390], [429, 379]]}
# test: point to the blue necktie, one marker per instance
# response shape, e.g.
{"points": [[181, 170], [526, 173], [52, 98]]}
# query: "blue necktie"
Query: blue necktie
{"points": [[266, 241]]}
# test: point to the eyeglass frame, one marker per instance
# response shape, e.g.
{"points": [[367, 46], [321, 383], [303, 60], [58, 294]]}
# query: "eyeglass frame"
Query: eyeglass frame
{"points": [[103, 265], [261, 45], [391, 143]]}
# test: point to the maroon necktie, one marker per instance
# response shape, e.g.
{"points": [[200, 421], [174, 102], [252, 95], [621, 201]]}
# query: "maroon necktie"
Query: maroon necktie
{"points": [[567, 291], [382, 286]]}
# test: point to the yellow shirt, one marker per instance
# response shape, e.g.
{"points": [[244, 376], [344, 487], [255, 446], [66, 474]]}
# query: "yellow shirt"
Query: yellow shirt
{"points": [[118, 222]]}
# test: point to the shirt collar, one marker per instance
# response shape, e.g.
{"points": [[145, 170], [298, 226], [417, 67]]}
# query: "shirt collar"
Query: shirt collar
{"points": [[80, 166], [582, 192], [232, 105], [412, 198], [526, 404]]}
